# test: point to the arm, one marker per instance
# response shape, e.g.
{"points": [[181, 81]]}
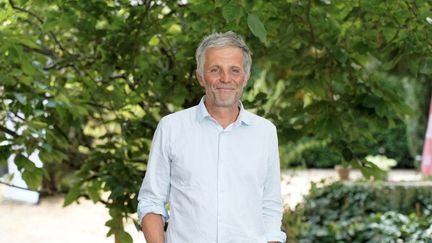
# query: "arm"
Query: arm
{"points": [[154, 191], [153, 227], [272, 200]]}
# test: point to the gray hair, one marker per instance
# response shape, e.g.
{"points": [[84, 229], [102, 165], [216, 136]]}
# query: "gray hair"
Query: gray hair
{"points": [[218, 40]]}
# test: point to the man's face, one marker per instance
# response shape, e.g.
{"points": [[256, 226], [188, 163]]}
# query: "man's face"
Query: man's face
{"points": [[224, 76]]}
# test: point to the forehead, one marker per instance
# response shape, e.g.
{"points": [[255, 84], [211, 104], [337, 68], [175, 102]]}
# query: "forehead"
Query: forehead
{"points": [[224, 56]]}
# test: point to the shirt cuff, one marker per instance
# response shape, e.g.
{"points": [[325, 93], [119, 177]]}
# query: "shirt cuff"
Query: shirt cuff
{"points": [[277, 236], [146, 207]]}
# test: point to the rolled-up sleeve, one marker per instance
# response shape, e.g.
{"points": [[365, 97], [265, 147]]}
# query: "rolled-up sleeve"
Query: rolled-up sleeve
{"points": [[153, 195], [272, 200]]}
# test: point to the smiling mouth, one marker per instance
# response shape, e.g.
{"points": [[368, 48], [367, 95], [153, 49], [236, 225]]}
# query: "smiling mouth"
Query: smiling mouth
{"points": [[225, 89]]}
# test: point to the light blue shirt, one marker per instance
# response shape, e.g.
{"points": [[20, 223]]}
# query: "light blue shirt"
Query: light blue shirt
{"points": [[222, 185]]}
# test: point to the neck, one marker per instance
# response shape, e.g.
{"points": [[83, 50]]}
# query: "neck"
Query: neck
{"points": [[224, 115]]}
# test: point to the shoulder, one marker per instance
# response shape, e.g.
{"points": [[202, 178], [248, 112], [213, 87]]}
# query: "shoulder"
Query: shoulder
{"points": [[178, 118], [260, 121]]}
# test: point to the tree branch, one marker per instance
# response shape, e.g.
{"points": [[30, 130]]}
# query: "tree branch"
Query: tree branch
{"points": [[411, 8], [18, 116], [119, 76], [43, 51], [11, 2], [8, 131], [18, 187], [58, 66], [309, 6]]}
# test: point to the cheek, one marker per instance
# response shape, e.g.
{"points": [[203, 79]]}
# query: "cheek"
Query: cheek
{"points": [[209, 83], [207, 86], [241, 84]]}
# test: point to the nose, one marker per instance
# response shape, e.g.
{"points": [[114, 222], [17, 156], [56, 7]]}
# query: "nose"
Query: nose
{"points": [[224, 76]]}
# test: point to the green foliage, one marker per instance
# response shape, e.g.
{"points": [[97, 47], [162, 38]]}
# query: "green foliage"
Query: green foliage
{"points": [[257, 27], [361, 212], [300, 152], [350, 69], [232, 11], [310, 153], [87, 81], [393, 143], [418, 96], [30, 173]]}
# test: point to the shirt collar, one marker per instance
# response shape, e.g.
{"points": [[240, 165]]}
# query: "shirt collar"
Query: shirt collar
{"points": [[244, 116]]}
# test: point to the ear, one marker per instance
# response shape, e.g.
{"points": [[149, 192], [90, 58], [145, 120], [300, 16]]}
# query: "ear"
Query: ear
{"points": [[246, 80], [200, 79]]}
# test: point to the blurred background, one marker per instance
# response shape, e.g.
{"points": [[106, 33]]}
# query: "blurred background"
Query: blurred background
{"points": [[83, 85]]}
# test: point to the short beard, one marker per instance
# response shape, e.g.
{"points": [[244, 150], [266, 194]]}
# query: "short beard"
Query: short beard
{"points": [[220, 103], [226, 104]]}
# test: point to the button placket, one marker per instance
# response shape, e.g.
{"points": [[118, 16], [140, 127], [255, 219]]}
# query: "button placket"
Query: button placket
{"points": [[220, 186]]}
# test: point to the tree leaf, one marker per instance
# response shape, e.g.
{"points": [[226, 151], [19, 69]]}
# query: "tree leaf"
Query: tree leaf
{"points": [[21, 98], [94, 191], [232, 11], [370, 170], [5, 152], [37, 124], [341, 55], [72, 195], [426, 66], [33, 178], [21, 162], [257, 27], [27, 41], [31, 174], [124, 237], [28, 68], [6, 13]]}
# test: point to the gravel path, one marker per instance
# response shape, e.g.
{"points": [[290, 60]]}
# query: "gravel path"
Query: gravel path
{"points": [[49, 222]]}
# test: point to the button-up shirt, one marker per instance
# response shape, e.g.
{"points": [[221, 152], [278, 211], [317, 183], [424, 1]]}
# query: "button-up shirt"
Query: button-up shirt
{"points": [[220, 185]]}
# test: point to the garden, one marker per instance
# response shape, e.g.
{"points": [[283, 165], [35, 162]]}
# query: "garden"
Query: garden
{"points": [[347, 83], [363, 212]]}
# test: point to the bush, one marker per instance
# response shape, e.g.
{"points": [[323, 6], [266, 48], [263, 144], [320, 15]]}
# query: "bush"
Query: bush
{"points": [[362, 212]]}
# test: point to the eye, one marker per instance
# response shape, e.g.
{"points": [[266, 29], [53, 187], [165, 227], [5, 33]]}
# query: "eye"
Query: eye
{"points": [[235, 70], [214, 70]]}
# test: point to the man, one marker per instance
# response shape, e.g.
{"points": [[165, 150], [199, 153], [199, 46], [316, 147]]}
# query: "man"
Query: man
{"points": [[215, 163]]}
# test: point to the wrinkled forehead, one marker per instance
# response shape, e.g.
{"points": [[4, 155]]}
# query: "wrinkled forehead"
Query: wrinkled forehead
{"points": [[224, 56]]}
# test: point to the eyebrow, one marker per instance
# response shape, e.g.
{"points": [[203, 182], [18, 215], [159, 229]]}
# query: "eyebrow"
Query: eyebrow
{"points": [[232, 66]]}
